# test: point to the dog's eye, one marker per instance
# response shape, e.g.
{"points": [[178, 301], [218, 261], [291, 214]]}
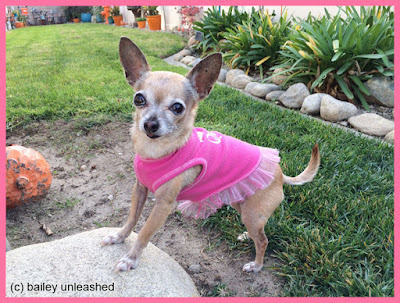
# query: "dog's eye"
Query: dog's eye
{"points": [[176, 108], [139, 100]]}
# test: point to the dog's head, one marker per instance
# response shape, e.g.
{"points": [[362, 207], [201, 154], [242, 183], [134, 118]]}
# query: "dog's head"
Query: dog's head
{"points": [[166, 102]]}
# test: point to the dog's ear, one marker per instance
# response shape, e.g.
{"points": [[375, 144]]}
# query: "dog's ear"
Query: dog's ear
{"points": [[205, 74], [132, 60]]}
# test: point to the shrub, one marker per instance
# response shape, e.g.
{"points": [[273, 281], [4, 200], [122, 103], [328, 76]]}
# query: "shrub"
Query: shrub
{"points": [[214, 24], [335, 55], [256, 43]]}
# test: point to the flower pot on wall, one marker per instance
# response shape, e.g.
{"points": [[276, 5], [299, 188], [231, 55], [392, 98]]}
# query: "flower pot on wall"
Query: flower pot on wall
{"points": [[154, 22], [19, 24], [75, 20], [86, 17], [141, 24], [117, 20]]}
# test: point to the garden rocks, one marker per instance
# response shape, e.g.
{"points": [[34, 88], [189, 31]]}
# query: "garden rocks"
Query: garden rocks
{"points": [[222, 75], [312, 104], [382, 91], [335, 110], [80, 260], [192, 41], [372, 124], [188, 60], [294, 96], [390, 137], [259, 89], [241, 81], [183, 53], [274, 95], [195, 62], [230, 75], [279, 79]]}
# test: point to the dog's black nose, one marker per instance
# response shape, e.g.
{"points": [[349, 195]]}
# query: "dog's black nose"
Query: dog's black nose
{"points": [[151, 126]]}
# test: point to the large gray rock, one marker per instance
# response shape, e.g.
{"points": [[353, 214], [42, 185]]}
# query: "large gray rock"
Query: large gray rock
{"points": [[222, 75], [372, 124], [279, 79], [274, 95], [81, 261], [294, 96], [260, 89], [183, 53], [382, 91], [335, 110], [241, 81], [312, 104], [390, 137], [188, 60], [230, 75]]}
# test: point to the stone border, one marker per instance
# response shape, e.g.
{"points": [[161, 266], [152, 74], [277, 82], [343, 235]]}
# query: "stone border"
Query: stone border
{"points": [[321, 107]]}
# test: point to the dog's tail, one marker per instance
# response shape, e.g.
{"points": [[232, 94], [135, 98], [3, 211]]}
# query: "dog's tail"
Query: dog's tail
{"points": [[309, 173]]}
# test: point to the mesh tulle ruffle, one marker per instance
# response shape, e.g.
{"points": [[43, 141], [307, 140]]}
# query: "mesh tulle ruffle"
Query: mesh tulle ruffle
{"points": [[260, 178]]}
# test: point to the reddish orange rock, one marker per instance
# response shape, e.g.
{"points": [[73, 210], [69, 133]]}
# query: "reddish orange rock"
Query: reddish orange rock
{"points": [[28, 176]]}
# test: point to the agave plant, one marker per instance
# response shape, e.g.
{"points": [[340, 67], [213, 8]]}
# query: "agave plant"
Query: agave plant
{"points": [[214, 24], [336, 55], [257, 41]]}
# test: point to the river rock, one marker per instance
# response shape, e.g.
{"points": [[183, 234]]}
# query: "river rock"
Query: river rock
{"points": [[274, 95], [79, 261], [372, 124], [390, 137], [232, 74], [260, 89], [335, 110], [312, 104], [222, 75], [294, 96], [382, 91], [183, 53], [279, 79], [241, 81], [188, 60]]}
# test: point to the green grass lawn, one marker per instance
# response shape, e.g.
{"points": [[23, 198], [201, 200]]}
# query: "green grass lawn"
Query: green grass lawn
{"points": [[334, 236]]}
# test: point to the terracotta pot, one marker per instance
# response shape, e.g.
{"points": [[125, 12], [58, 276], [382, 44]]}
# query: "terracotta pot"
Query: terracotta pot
{"points": [[75, 20], [141, 24], [154, 22], [28, 176], [19, 24], [117, 20]]}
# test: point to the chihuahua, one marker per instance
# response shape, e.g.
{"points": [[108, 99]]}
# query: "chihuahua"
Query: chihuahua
{"points": [[197, 169]]}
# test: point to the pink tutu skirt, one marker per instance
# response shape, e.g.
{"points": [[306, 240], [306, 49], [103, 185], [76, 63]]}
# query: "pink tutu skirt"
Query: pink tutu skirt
{"points": [[260, 178]]}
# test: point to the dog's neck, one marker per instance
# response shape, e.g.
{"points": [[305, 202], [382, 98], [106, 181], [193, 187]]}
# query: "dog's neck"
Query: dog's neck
{"points": [[157, 148]]}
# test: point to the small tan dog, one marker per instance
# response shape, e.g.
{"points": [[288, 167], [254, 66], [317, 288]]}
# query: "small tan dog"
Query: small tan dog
{"points": [[166, 105]]}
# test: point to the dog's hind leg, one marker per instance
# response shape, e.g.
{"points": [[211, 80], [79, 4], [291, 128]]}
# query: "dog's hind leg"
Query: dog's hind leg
{"points": [[255, 212], [139, 196]]}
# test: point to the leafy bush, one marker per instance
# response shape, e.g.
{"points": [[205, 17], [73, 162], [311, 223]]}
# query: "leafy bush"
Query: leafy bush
{"points": [[256, 43], [335, 55], [214, 24]]}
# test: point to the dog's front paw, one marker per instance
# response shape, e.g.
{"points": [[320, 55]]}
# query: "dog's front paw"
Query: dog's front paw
{"points": [[112, 239], [252, 267], [126, 263]]}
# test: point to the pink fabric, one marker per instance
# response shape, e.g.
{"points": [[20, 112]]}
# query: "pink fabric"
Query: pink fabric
{"points": [[232, 170]]}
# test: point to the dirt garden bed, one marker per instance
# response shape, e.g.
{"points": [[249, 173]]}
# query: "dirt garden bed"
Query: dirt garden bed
{"points": [[92, 182]]}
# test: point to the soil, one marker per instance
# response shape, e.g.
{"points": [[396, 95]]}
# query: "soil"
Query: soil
{"points": [[92, 183]]}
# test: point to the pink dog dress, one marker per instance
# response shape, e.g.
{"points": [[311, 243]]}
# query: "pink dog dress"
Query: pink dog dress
{"points": [[232, 170]]}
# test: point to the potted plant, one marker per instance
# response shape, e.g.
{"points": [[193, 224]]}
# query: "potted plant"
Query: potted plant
{"points": [[20, 22], [116, 15], [97, 12], [86, 16], [141, 22], [153, 17]]}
